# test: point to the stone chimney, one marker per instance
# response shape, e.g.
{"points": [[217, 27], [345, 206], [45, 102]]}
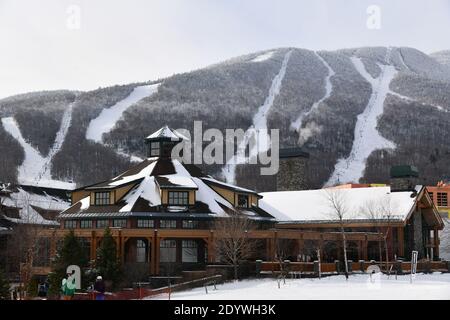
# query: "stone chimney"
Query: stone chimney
{"points": [[293, 172], [404, 178]]}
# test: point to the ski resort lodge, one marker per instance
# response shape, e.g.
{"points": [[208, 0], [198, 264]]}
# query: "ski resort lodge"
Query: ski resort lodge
{"points": [[162, 212]]}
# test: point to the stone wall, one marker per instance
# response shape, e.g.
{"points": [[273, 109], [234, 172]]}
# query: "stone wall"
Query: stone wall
{"points": [[293, 174]]}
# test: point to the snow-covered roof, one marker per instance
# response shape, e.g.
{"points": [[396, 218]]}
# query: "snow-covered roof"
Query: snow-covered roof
{"points": [[27, 201], [227, 185], [314, 205], [166, 132], [148, 178]]}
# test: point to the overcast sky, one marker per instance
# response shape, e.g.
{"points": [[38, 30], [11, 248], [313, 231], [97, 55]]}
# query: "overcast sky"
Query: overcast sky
{"points": [[76, 44]]}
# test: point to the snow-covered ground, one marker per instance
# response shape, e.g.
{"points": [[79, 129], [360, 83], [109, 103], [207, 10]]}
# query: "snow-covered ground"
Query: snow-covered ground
{"points": [[367, 138], [297, 124], [36, 169], [108, 118], [358, 287], [258, 131]]}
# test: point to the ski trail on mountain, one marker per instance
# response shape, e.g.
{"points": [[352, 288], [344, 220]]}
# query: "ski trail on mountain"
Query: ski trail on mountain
{"points": [[367, 138], [402, 61], [258, 132], [36, 169], [108, 118], [297, 124], [57, 145]]}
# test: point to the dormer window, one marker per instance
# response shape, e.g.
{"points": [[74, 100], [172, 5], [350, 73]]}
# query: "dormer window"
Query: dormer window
{"points": [[178, 198], [154, 149], [243, 201], [102, 198]]}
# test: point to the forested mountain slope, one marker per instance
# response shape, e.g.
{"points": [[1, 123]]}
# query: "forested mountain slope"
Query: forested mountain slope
{"points": [[356, 111]]}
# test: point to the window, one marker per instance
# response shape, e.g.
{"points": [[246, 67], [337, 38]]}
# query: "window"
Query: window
{"points": [[168, 251], [168, 224], [189, 224], [145, 223], [189, 252], [102, 224], [86, 224], [243, 200], [442, 200], [141, 251], [431, 195], [178, 198], [154, 149], [70, 224], [101, 198], [120, 223]]}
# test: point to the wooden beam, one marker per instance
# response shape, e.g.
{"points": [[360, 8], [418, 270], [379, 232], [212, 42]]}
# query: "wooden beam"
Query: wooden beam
{"points": [[436, 242], [401, 241]]}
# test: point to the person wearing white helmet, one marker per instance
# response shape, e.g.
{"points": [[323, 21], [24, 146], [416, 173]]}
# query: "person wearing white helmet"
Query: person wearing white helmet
{"points": [[99, 288]]}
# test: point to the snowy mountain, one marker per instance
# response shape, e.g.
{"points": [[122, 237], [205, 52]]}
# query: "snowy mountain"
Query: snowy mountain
{"points": [[356, 111]]}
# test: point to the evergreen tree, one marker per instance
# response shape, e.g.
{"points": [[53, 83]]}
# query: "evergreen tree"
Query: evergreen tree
{"points": [[71, 253], [107, 263], [4, 287]]}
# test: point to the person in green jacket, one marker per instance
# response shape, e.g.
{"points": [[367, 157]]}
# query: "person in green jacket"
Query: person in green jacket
{"points": [[68, 287]]}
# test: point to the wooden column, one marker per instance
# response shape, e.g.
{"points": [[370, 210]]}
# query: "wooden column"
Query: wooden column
{"points": [[211, 248], [53, 245], [321, 246], [123, 240], [117, 241], [301, 246], [93, 245], [401, 241], [271, 247], [436, 242], [157, 254], [360, 246], [365, 243], [151, 244]]}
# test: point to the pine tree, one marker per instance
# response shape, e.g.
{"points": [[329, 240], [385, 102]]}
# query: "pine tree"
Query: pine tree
{"points": [[71, 253], [4, 287], [107, 263]]}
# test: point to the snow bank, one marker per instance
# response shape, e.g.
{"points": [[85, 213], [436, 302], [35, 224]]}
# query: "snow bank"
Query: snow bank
{"points": [[358, 287]]}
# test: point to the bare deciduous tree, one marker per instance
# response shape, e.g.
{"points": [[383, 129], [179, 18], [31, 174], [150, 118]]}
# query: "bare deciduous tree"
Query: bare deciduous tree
{"points": [[233, 243], [338, 211], [380, 213]]}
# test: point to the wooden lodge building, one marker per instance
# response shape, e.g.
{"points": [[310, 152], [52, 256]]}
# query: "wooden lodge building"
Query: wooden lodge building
{"points": [[162, 212]]}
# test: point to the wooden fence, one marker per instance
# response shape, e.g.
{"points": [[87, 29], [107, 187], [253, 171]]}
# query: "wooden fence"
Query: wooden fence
{"points": [[360, 266]]}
